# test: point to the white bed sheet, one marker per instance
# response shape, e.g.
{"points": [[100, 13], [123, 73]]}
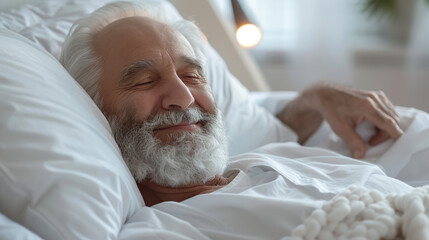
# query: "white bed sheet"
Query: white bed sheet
{"points": [[280, 184], [406, 159]]}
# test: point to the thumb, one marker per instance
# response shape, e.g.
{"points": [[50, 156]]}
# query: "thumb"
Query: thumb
{"points": [[354, 142]]}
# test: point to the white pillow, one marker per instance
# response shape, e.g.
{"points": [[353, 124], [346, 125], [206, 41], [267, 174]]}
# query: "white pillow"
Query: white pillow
{"points": [[47, 22], [10, 230], [248, 125], [61, 172]]}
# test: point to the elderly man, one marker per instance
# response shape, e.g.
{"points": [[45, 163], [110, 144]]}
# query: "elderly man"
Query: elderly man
{"points": [[148, 79]]}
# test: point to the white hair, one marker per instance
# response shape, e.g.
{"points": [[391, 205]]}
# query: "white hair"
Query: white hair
{"points": [[78, 56]]}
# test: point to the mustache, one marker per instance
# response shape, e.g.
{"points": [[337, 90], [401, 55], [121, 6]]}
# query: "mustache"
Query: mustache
{"points": [[175, 117]]}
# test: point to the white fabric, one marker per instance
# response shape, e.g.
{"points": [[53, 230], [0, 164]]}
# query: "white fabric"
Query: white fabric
{"points": [[276, 189], [248, 125], [10, 230], [405, 159], [407, 163], [46, 23], [61, 172], [274, 102]]}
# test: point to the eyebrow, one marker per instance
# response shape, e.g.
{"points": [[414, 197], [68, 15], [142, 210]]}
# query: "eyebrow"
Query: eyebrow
{"points": [[193, 62], [142, 65], [135, 67]]}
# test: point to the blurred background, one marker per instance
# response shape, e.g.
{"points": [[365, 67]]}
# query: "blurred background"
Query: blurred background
{"points": [[368, 44]]}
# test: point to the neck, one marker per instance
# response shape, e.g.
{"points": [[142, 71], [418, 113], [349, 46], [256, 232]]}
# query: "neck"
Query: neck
{"points": [[153, 193]]}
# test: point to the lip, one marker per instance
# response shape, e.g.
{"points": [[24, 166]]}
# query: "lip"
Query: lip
{"points": [[179, 127]]}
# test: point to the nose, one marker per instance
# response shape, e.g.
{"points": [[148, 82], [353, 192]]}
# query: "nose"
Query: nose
{"points": [[177, 95]]}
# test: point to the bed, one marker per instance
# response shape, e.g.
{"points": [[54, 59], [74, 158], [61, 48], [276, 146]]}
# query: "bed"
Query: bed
{"points": [[62, 175]]}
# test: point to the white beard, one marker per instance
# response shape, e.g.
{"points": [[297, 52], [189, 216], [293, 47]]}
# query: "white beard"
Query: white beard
{"points": [[192, 157]]}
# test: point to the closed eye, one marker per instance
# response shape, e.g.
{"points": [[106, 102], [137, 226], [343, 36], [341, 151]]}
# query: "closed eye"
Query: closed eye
{"points": [[193, 78], [144, 83]]}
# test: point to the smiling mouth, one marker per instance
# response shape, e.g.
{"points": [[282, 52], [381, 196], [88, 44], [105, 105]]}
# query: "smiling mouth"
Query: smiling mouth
{"points": [[180, 127]]}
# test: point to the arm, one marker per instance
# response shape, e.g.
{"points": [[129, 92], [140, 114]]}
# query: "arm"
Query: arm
{"points": [[344, 109]]}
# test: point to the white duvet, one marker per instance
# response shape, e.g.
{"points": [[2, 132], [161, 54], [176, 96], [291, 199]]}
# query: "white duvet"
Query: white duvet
{"points": [[280, 185]]}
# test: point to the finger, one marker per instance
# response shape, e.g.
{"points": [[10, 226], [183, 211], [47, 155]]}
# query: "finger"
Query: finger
{"points": [[384, 104], [389, 104], [359, 121], [378, 138], [381, 120], [349, 135]]}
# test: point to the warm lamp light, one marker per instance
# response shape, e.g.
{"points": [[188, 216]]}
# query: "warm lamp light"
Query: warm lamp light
{"points": [[247, 34]]}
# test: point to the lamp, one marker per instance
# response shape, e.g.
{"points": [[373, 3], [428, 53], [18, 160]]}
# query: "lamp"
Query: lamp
{"points": [[247, 33]]}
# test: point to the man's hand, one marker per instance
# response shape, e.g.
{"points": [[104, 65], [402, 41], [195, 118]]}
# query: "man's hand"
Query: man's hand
{"points": [[344, 109]]}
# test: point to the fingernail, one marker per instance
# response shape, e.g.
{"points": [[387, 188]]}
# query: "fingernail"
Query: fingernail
{"points": [[357, 153]]}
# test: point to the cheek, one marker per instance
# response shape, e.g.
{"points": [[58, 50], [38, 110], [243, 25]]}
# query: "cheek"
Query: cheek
{"points": [[204, 98], [117, 106], [143, 105], [107, 96]]}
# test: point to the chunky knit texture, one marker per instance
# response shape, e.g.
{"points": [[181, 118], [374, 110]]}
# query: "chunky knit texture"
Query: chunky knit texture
{"points": [[361, 213]]}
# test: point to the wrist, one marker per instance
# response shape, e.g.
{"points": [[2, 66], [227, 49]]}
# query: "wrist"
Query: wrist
{"points": [[302, 115], [312, 97]]}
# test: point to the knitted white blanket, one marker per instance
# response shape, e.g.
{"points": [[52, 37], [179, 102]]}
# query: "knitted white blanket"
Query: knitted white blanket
{"points": [[360, 213]]}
